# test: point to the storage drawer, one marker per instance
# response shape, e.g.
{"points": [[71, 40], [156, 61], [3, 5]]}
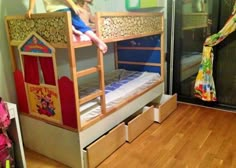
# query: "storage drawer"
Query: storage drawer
{"points": [[164, 106], [98, 151], [138, 123]]}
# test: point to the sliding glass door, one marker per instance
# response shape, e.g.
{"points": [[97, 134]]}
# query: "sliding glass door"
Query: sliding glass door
{"points": [[195, 20]]}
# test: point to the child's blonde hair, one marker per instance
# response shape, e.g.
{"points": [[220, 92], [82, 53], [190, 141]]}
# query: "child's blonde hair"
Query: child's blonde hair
{"points": [[81, 2]]}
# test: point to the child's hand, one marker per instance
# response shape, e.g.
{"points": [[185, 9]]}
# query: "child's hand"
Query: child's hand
{"points": [[28, 13], [78, 10]]}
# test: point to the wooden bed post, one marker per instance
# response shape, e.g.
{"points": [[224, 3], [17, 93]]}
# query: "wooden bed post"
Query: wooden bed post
{"points": [[162, 50], [115, 55], [101, 67], [72, 59], [101, 80]]}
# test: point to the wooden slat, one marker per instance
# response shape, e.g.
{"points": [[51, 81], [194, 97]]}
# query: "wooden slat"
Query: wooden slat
{"points": [[116, 55], [130, 14], [87, 71], [139, 63], [115, 39], [37, 54], [90, 97], [162, 51], [194, 20], [139, 48]]}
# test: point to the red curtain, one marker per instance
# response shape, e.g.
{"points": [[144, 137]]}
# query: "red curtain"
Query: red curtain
{"points": [[47, 69], [31, 70]]}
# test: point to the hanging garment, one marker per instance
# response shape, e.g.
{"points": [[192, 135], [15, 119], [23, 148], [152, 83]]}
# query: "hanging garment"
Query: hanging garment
{"points": [[5, 142], [4, 115], [204, 85]]}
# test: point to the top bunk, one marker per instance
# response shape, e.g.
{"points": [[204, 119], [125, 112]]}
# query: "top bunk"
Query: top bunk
{"points": [[194, 21], [56, 27]]}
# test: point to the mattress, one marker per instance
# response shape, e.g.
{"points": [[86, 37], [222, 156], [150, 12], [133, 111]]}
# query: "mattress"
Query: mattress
{"points": [[120, 84], [190, 63]]}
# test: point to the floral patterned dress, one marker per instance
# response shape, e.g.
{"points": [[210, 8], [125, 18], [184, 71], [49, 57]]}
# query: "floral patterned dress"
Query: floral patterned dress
{"points": [[204, 85]]}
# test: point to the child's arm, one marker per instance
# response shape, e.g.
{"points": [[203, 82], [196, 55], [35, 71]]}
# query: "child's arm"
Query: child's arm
{"points": [[31, 8], [91, 16], [75, 7]]}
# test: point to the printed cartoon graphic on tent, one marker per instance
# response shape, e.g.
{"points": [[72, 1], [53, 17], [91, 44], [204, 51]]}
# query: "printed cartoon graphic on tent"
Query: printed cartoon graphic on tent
{"points": [[44, 101]]}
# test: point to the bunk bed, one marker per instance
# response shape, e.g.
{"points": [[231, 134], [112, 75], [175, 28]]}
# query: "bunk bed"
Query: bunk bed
{"points": [[79, 121], [190, 62], [194, 21]]}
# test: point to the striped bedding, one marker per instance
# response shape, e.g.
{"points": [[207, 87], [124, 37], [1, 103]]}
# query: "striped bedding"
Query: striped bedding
{"points": [[120, 84]]}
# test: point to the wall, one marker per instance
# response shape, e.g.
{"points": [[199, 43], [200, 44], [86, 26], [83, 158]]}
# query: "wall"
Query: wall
{"points": [[7, 88]]}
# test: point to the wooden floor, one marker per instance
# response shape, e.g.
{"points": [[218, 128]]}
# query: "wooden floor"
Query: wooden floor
{"points": [[192, 136]]}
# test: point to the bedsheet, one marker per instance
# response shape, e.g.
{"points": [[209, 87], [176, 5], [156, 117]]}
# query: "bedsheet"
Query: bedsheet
{"points": [[120, 84]]}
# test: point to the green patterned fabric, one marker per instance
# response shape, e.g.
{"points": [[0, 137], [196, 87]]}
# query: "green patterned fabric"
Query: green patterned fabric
{"points": [[204, 85]]}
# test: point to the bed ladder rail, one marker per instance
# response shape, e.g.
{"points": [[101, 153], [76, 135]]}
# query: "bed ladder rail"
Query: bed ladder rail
{"points": [[88, 71], [101, 91], [96, 94], [91, 97]]}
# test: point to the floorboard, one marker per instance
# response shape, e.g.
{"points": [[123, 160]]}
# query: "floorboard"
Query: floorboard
{"points": [[192, 136]]}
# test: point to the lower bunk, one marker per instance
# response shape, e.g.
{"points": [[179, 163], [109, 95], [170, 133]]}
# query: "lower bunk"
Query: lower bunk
{"points": [[89, 147], [121, 86], [190, 63]]}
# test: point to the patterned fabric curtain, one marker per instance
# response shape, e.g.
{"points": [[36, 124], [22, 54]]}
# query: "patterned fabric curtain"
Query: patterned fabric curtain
{"points": [[204, 85]]}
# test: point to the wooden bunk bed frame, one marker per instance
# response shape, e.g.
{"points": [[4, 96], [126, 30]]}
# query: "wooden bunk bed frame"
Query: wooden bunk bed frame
{"points": [[195, 21], [59, 139]]}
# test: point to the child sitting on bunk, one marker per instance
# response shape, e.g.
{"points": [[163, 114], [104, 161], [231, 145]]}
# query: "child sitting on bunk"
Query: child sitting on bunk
{"points": [[78, 24], [87, 16]]}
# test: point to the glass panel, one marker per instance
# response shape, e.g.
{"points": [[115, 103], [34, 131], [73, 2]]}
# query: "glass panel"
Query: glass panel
{"points": [[195, 20], [195, 28], [193, 24], [225, 61]]}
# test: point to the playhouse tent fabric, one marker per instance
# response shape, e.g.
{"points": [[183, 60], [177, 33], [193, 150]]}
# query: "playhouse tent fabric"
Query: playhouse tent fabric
{"points": [[204, 85]]}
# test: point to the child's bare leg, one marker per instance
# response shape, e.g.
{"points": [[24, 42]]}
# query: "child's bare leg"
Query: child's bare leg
{"points": [[75, 31], [101, 45]]}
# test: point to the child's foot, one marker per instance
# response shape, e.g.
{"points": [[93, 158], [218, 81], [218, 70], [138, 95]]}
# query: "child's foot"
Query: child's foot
{"points": [[102, 46]]}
